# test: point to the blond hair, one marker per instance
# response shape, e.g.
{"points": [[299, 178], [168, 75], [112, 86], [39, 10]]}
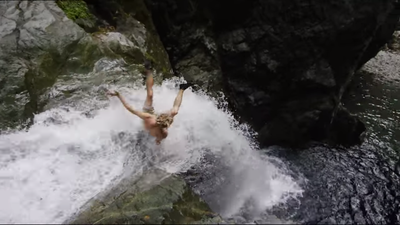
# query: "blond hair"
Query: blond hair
{"points": [[164, 120]]}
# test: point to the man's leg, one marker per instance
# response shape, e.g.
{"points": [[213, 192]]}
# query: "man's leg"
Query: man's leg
{"points": [[178, 99], [148, 105]]}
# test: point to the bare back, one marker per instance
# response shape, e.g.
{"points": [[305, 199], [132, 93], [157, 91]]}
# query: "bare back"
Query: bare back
{"points": [[151, 126]]}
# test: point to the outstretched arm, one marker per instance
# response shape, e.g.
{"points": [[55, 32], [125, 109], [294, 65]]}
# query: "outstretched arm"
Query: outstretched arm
{"points": [[177, 103], [138, 113], [178, 100]]}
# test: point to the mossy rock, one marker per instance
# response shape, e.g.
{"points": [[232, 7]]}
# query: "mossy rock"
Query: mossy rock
{"points": [[155, 198], [64, 49], [84, 56], [91, 48], [394, 44], [32, 80], [86, 53], [134, 20], [77, 10], [74, 9], [13, 95]]}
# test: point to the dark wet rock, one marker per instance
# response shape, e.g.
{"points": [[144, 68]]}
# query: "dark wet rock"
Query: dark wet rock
{"points": [[394, 44], [284, 66], [343, 121], [154, 198], [190, 42]]}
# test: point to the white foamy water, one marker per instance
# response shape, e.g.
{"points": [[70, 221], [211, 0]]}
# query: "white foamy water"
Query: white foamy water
{"points": [[66, 157]]}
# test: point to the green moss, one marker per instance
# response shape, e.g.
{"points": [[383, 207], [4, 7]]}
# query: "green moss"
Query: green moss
{"points": [[149, 57], [156, 52], [38, 80], [165, 70], [83, 56], [75, 9], [167, 202], [189, 208]]}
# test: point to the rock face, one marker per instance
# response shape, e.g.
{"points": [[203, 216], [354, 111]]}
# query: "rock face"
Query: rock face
{"points": [[187, 34], [41, 49], [284, 65], [132, 19], [34, 39], [155, 198]]}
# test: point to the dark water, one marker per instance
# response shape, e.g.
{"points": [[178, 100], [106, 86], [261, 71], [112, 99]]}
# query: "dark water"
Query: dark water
{"points": [[343, 185], [361, 184]]}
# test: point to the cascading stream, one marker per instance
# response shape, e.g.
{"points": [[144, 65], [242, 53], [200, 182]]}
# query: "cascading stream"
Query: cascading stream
{"points": [[76, 150]]}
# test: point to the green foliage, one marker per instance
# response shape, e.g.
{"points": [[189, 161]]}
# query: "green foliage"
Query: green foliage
{"points": [[75, 9]]}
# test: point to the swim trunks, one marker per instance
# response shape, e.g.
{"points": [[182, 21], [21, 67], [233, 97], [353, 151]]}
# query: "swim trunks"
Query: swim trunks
{"points": [[162, 119], [148, 109]]}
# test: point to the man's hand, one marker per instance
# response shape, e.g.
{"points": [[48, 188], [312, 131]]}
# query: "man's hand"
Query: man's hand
{"points": [[110, 93]]}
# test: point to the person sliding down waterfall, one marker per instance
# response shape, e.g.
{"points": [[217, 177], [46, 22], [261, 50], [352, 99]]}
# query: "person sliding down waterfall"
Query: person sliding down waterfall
{"points": [[157, 125]]}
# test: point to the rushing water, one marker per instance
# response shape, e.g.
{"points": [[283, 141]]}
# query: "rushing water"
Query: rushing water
{"points": [[85, 144]]}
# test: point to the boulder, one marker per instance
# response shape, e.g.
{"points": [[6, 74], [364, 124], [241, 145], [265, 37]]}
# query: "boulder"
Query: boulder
{"points": [[46, 58], [394, 44], [156, 197], [35, 40], [284, 65], [132, 19]]}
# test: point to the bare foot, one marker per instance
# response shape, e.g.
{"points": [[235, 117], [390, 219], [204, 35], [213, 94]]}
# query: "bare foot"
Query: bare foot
{"points": [[148, 65]]}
